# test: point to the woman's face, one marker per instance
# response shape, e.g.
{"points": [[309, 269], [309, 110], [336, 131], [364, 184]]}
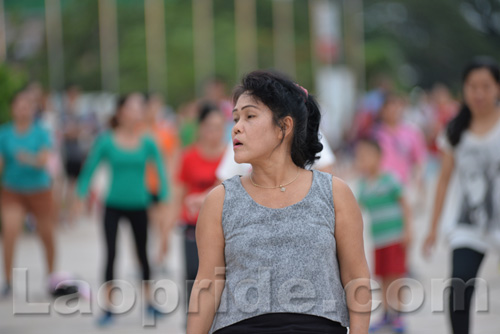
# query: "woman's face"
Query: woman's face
{"points": [[132, 112], [392, 112], [212, 129], [481, 91], [367, 159], [23, 108], [255, 136]]}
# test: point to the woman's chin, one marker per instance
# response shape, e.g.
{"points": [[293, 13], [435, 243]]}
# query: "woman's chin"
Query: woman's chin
{"points": [[238, 158], [240, 161]]}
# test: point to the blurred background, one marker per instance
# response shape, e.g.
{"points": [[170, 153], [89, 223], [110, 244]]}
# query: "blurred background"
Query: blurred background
{"points": [[81, 55], [171, 47]]}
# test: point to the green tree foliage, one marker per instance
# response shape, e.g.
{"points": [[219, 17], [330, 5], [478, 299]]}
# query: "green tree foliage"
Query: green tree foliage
{"points": [[180, 59], [80, 21], [132, 47], [484, 15], [414, 41], [81, 45], [11, 81], [426, 41]]}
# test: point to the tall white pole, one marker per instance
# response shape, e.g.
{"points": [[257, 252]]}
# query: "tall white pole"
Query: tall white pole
{"points": [[246, 35], [335, 82], [284, 37], [108, 38], [54, 43], [312, 36], [154, 12], [355, 44], [204, 50], [3, 37]]}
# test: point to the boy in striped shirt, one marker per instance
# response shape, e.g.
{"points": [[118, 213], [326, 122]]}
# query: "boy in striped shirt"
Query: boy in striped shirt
{"points": [[381, 195]]}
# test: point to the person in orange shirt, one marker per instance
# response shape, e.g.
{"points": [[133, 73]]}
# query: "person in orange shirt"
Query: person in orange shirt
{"points": [[166, 139]]}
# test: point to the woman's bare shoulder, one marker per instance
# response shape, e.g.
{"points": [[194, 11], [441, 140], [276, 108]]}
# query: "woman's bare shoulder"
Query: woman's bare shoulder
{"points": [[214, 201], [339, 186], [343, 197]]}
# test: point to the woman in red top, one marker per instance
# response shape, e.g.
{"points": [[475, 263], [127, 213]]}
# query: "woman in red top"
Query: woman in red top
{"points": [[196, 178]]}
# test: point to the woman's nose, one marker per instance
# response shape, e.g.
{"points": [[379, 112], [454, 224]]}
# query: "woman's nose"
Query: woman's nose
{"points": [[236, 127]]}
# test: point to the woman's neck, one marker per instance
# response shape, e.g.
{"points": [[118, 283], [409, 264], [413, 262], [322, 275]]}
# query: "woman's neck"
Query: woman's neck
{"points": [[210, 149], [22, 126], [273, 173], [150, 122], [128, 130], [486, 116], [391, 125], [373, 175], [483, 122]]}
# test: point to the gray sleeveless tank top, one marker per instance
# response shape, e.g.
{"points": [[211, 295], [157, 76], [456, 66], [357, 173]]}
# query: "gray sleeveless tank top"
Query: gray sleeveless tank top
{"points": [[280, 260]]}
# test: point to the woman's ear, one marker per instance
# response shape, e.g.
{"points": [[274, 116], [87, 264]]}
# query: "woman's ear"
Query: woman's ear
{"points": [[285, 128], [288, 125]]}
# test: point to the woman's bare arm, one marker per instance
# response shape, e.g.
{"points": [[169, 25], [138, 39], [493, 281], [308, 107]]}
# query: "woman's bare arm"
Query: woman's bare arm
{"points": [[447, 167], [38, 160], [209, 283], [407, 222], [354, 271]]}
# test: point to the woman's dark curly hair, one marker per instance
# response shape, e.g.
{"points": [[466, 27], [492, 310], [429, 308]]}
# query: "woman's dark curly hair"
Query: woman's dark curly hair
{"points": [[285, 98]]}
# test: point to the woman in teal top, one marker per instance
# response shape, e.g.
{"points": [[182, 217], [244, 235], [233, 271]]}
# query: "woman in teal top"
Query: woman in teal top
{"points": [[24, 148], [127, 151], [128, 187]]}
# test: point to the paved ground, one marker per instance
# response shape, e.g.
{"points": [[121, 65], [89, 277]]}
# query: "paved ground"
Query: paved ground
{"points": [[80, 253]]}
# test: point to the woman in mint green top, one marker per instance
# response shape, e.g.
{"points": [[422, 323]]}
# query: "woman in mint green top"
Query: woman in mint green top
{"points": [[128, 165], [24, 149], [127, 151]]}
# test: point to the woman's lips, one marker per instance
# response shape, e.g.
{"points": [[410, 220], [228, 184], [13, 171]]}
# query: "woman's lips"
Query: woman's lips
{"points": [[236, 143]]}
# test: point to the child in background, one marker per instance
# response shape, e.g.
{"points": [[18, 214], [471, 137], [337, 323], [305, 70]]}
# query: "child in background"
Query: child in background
{"points": [[381, 195], [402, 144]]}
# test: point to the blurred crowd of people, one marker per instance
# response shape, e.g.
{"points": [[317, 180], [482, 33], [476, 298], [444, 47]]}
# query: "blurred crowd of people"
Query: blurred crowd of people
{"points": [[394, 136], [161, 165], [142, 163], [396, 142]]}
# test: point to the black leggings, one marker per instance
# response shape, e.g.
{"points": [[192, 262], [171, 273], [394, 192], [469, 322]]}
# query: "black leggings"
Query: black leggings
{"points": [[191, 256], [466, 264], [139, 222]]}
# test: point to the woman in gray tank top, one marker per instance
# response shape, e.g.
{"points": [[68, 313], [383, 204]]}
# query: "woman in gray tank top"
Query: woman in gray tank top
{"points": [[281, 250]]}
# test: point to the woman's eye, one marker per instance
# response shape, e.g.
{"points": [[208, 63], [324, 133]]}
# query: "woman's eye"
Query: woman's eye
{"points": [[251, 116], [235, 120]]}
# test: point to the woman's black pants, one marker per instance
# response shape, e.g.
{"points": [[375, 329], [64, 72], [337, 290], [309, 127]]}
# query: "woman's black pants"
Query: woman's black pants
{"points": [[139, 221], [465, 266]]}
